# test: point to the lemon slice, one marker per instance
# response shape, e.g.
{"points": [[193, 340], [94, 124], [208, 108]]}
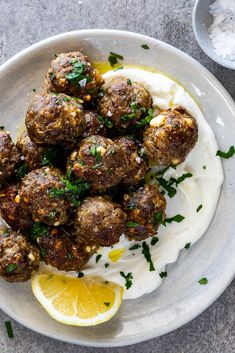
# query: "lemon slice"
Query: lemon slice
{"points": [[85, 301]]}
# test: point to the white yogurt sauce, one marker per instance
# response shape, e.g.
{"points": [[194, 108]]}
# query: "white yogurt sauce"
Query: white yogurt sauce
{"points": [[202, 188]]}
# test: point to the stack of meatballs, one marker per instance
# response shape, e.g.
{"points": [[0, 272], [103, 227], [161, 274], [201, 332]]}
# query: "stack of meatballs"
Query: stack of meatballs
{"points": [[105, 150]]}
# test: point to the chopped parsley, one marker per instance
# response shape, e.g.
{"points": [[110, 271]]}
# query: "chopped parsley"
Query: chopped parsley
{"points": [[132, 115], [228, 154], [163, 274], [113, 58], [177, 218], [34, 90], [154, 241], [106, 265], [145, 46], [11, 267], [183, 177], [129, 82], [131, 206], [107, 304], [38, 230], [80, 274], [135, 247], [119, 68], [146, 120], [98, 257], [147, 255], [77, 75], [187, 246], [21, 171], [9, 329], [167, 186], [199, 208], [131, 224], [128, 277], [49, 156], [158, 218], [97, 165], [43, 252], [95, 153], [2, 128], [203, 281], [52, 76], [204, 167], [106, 122]]}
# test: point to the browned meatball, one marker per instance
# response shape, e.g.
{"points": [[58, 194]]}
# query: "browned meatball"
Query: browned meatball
{"points": [[137, 167], [33, 153], [94, 125], [11, 211], [99, 161], [100, 221], [170, 137], [60, 250], [40, 195], [73, 74], [55, 119], [123, 103], [9, 156], [144, 209], [18, 258]]}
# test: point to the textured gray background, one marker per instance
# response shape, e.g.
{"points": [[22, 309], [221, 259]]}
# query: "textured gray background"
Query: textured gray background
{"points": [[24, 22]]}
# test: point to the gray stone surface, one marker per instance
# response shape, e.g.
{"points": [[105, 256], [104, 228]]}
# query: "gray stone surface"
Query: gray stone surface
{"points": [[24, 22]]}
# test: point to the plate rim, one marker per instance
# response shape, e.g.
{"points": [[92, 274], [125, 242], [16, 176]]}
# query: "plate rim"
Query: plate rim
{"points": [[118, 342]]}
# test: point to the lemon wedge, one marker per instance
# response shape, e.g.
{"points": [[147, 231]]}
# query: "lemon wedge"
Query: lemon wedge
{"points": [[85, 301]]}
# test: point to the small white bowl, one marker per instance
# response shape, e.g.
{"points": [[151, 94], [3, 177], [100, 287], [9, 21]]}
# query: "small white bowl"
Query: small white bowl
{"points": [[202, 20], [180, 298]]}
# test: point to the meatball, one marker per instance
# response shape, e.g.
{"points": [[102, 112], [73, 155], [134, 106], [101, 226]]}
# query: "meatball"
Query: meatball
{"points": [[9, 156], [100, 221], [60, 250], [99, 161], [94, 125], [18, 258], [145, 209], [33, 153], [11, 211], [170, 137], [137, 167], [55, 119], [123, 103], [73, 74], [41, 194]]}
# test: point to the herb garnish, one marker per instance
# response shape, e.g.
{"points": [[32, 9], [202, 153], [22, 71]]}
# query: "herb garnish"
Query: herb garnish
{"points": [[132, 115], [158, 218], [52, 76], [118, 68], [154, 241], [49, 156], [163, 274], [21, 171], [80, 274], [106, 122], [38, 230], [131, 206], [98, 257], [146, 120], [147, 255], [177, 218], [11, 267], [183, 177], [113, 58], [128, 277], [168, 184], [203, 281], [135, 247], [95, 153], [34, 90], [129, 82], [106, 265], [204, 167], [228, 154], [132, 224], [145, 46], [187, 246], [2, 128], [77, 75], [199, 208], [9, 329], [107, 304]]}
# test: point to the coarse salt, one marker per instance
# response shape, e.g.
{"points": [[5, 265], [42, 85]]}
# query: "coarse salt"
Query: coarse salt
{"points": [[222, 30]]}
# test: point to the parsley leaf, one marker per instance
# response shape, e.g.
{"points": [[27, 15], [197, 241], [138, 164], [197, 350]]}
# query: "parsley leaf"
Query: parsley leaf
{"points": [[11, 267], [135, 247], [107, 304], [77, 75], [177, 218], [49, 156], [80, 274], [183, 177], [228, 154], [145, 46], [163, 274], [187, 246], [38, 230], [154, 241], [113, 58], [95, 153], [199, 208], [2, 128], [98, 257], [203, 281], [106, 122], [9, 329], [21, 171], [128, 277], [131, 224], [147, 255]]}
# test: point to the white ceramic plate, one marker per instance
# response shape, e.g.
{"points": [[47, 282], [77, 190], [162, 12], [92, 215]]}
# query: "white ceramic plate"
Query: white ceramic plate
{"points": [[180, 298]]}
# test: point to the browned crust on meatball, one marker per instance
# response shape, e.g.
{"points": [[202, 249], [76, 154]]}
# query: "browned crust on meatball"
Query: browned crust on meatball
{"points": [[99, 161], [18, 258], [169, 142], [140, 208], [55, 119], [137, 167], [33, 153], [63, 76], [94, 126], [60, 250], [100, 221], [37, 197], [9, 156], [11, 211], [124, 104]]}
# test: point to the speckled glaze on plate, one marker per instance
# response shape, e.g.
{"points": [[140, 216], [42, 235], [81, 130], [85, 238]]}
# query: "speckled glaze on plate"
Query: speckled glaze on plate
{"points": [[180, 298]]}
